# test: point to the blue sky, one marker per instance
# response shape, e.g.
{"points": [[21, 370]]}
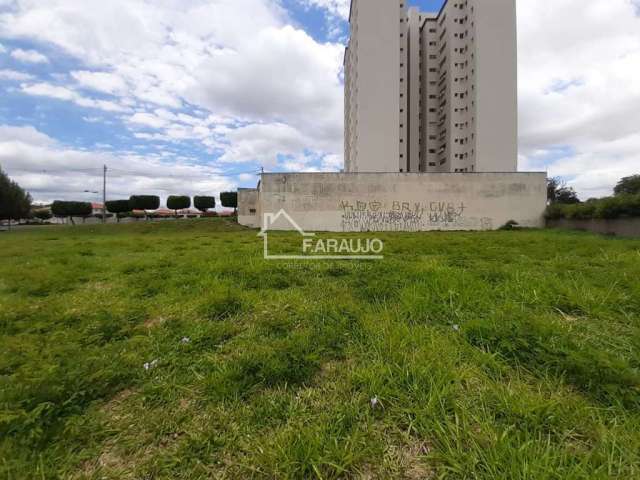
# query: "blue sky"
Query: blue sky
{"points": [[196, 96]]}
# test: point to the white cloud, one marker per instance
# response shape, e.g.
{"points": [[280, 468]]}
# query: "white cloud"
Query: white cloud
{"points": [[29, 56], [25, 135], [2, 49], [579, 92], [282, 74], [63, 93], [339, 8], [101, 82], [15, 76], [148, 119], [263, 143], [333, 163], [52, 171], [233, 67]]}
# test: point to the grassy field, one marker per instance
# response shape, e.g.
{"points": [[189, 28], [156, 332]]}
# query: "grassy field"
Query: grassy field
{"points": [[501, 355]]}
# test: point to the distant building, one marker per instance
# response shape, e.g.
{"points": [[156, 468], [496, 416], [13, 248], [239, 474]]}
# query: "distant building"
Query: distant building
{"points": [[97, 208], [430, 129], [431, 92]]}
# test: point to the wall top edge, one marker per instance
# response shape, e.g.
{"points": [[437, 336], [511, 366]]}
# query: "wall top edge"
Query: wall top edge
{"points": [[461, 174]]}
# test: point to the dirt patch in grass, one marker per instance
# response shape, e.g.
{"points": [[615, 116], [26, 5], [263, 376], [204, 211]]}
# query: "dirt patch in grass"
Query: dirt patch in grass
{"points": [[154, 322]]}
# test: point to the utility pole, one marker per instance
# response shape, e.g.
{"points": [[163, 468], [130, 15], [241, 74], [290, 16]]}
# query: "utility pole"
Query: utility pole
{"points": [[104, 194]]}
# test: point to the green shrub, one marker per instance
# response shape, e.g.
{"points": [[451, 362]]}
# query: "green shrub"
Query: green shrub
{"points": [[628, 186], [229, 199], [610, 207], [554, 212], [204, 203], [71, 209], [633, 205], [176, 203], [580, 211], [144, 202], [603, 208], [119, 207]]}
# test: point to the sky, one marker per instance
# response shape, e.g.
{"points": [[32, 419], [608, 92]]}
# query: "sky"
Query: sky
{"points": [[197, 96]]}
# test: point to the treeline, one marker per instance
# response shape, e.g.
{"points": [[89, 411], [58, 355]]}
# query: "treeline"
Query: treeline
{"points": [[144, 203], [15, 203], [625, 202]]}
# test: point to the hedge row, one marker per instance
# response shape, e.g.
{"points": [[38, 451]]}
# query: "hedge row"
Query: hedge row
{"points": [[152, 202], [71, 209], [603, 208]]}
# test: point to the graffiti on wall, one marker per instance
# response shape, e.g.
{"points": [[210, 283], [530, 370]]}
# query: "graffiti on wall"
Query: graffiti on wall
{"points": [[372, 215]]}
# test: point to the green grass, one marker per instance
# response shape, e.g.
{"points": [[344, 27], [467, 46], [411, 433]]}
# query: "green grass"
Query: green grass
{"points": [[501, 355]]}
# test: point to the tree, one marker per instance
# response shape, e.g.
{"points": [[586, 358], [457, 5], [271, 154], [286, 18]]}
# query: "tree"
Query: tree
{"points": [[42, 214], [204, 203], [71, 209], [176, 203], [567, 196], [15, 203], [144, 202], [553, 184], [118, 207], [558, 192], [628, 186], [229, 200]]}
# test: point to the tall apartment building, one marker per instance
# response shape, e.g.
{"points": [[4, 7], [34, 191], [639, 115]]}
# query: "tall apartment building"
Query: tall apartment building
{"points": [[429, 92]]}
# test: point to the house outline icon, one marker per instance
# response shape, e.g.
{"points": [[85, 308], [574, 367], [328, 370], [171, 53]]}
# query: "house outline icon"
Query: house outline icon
{"points": [[269, 219]]}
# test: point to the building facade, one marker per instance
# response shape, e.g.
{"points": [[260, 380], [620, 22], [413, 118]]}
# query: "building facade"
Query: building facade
{"points": [[431, 92]]}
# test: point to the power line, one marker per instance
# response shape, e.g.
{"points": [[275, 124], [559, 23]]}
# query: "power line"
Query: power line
{"points": [[142, 174], [216, 174]]}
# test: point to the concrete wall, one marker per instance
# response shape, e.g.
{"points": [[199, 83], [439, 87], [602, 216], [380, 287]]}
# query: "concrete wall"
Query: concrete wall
{"points": [[402, 202], [248, 207], [623, 227]]}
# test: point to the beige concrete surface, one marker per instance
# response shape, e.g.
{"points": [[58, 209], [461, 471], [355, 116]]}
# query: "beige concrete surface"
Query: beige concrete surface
{"points": [[343, 202], [622, 227]]}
